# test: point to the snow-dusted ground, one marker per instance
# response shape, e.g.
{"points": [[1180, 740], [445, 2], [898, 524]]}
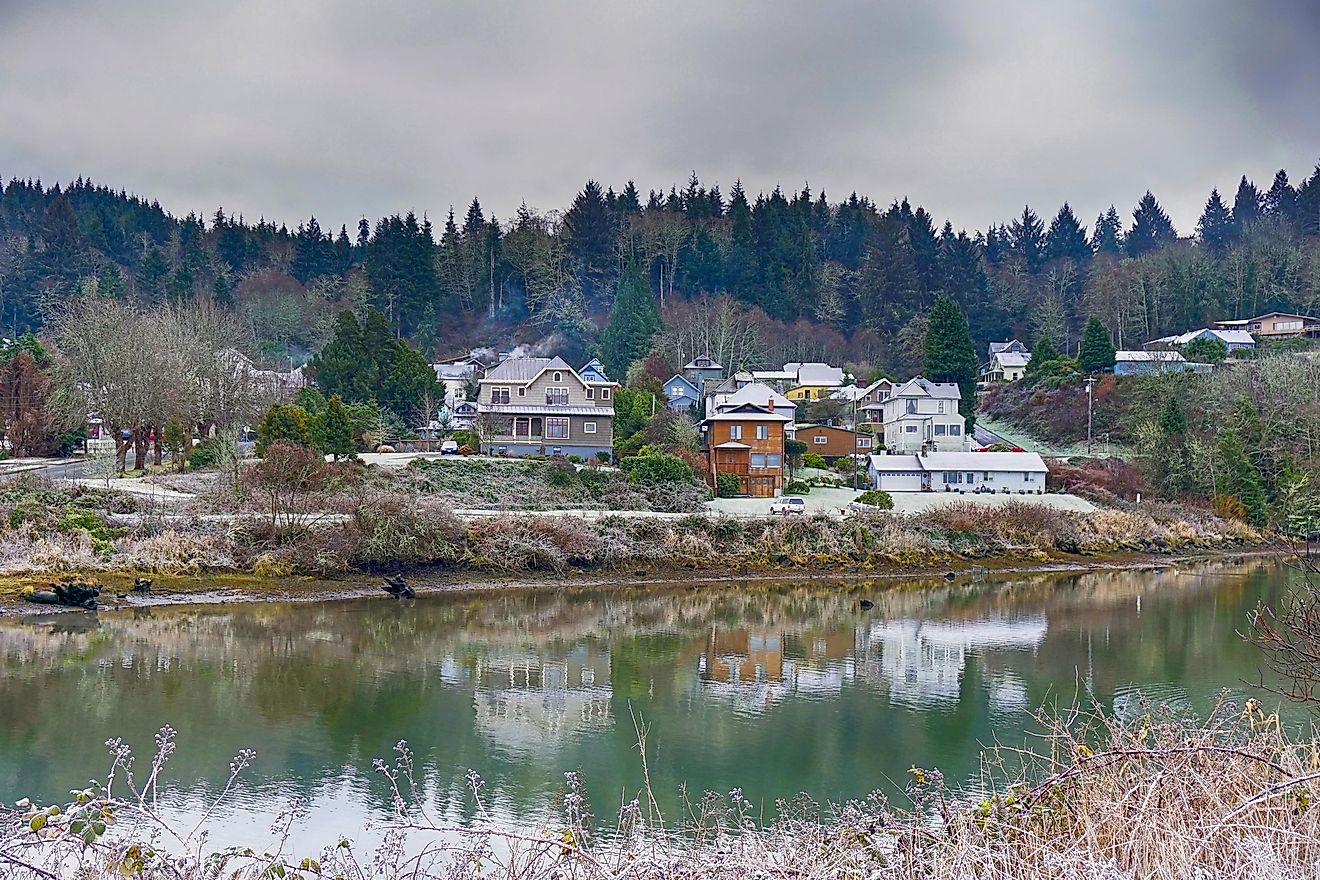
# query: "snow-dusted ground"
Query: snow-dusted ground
{"points": [[835, 502]]}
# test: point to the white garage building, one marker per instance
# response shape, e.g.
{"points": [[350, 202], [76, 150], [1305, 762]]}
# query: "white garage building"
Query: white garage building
{"points": [[1000, 472]]}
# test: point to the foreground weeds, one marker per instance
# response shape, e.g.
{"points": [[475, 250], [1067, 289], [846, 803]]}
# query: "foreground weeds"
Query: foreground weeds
{"points": [[1150, 796]]}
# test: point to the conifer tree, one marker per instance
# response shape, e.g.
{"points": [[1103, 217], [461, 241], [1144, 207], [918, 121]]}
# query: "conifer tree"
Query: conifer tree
{"points": [[590, 238], [1066, 238], [1108, 235], [1151, 228], [634, 322], [1043, 353], [1026, 236], [1240, 478], [950, 355], [1246, 206], [1216, 224], [1097, 353], [336, 429], [343, 368], [1281, 200]]}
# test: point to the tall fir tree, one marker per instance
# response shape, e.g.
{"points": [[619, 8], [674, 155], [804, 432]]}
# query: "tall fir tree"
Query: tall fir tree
{"points": [[634, 322], [343, 367], [1151, 228], [1215, 227], [1026, 238], [1107, 238], [336, 430], [1246, 206], [589, 232], [950, 355], [1066, 238]]}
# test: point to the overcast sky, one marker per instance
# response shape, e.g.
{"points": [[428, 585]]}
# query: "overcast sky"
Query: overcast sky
{"points": [[342, 109]]}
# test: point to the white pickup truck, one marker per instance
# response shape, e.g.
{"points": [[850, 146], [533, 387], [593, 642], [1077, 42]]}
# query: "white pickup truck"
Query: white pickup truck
{"points": [[788, 505]]}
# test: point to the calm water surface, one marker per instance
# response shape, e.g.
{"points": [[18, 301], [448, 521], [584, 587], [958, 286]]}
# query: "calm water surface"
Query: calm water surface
{"points": [[772, 689]]}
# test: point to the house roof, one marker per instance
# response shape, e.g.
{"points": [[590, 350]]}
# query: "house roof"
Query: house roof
{"points": [[961, 461], [848, 392], [732, 444], [1279, 315], [1011, 345], [702, 362], [749, 414], [895, 463], [757, 393], [1012, 358], [816, 373], [525, 369], [919, 386], [1173, 357], [775, 375], [465, 405], [522, 409], [811, 426], [594, 366], [454, 371]]}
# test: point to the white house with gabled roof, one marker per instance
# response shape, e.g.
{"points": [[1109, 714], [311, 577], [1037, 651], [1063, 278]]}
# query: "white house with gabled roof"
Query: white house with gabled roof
{"points": [[922, 416]]}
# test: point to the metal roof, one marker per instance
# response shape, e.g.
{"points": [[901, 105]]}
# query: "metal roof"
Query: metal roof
{"points": [[745, 416], [961, 461], [1012, 358], [756, 393], [919, 386], [526, 369], [1172, 357]]}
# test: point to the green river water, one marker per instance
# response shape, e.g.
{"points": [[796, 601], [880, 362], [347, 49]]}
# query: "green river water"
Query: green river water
{"points": [[772, 689]]}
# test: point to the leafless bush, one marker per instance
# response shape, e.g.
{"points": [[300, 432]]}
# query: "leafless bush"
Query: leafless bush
{"points": [[1289, 636]]}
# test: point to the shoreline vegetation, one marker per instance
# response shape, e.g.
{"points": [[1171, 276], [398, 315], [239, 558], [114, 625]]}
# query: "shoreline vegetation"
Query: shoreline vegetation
{"points": [[1150, 795], [300, 533]]}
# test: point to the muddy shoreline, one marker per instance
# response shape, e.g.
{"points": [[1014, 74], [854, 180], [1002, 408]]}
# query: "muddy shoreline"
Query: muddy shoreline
{"points": [[229, 589]]}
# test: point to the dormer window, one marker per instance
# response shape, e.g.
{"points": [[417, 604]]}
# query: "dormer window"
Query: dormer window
{"points": [[559, 377]]}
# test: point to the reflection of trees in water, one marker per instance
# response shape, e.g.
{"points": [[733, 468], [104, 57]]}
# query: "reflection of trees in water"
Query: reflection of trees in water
{"points": [[520, 686]]}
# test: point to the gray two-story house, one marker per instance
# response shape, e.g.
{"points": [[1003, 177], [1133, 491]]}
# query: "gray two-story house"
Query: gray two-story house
{"points": [[542, 406]]}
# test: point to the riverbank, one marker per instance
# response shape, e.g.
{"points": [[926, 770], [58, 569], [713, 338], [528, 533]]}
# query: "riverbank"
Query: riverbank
{"points": [[232, 588], [318, 545]]}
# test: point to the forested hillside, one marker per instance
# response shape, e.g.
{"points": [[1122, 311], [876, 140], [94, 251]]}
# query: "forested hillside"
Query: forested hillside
{"points": [[773, 277]]}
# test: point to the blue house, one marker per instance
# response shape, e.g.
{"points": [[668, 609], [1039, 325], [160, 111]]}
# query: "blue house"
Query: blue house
{"points": [[682, 394], [593, 371], [701, 368]]}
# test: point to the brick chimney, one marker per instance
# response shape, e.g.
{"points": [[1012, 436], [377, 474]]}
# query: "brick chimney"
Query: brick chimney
{"points": [[772, 404]]}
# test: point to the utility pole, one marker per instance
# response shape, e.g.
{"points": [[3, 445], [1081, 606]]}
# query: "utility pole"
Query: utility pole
{"points": [[1090, 396]]}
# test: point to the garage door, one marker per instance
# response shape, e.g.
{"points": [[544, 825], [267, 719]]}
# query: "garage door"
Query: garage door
{"points": [[901, 482]]}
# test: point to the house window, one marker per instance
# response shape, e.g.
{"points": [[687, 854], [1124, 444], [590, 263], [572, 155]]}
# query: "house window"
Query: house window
{"points": [[819, 440], [757, 460], [884, 395], [735, 432], [971, 478], [762, 432], [863, 442], [591, 394], [941, 407], [955, 430], [604, 394], [774, 460], [522, 390], [1026, 476], [499, 395], [941, 430], [556, 429], [556, 397], [953, 476], [911, 429], [559, 377], [588, 427], [912, 407]]}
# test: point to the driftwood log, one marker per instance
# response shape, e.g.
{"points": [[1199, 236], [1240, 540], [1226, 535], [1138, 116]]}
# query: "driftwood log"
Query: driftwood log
{"points": [[398, 587], [72, 594]]}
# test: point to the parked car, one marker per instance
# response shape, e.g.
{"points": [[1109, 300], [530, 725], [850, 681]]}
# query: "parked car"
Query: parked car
{"points": [[449, 447], [788, 505]]}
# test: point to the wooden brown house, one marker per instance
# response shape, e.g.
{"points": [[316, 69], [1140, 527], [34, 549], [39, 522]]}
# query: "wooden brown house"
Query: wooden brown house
{"points": [[833, 443], [747, 440]]}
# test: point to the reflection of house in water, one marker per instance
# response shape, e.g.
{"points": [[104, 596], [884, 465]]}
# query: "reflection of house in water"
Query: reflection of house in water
{"points": [[525, 703], [923, 661], [743, 655]]}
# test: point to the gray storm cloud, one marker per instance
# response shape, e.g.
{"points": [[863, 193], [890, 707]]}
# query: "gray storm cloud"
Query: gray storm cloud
{"points": [[343, 110]]}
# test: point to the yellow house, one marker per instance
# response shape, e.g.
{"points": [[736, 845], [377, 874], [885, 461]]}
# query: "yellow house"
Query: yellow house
{"points": [[810, 392]]}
